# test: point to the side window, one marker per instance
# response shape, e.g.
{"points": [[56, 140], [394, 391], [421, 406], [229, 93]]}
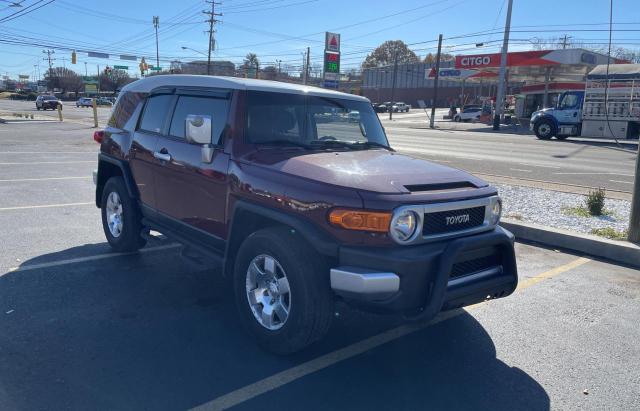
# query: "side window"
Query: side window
{"points": [[155, 113], [216, 108], [274, 116]]}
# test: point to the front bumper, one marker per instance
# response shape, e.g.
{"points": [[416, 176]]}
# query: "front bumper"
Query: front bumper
{"points": [[425, 279]]}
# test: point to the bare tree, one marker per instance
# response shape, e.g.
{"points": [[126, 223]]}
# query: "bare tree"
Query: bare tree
{"points": [[64, 79]]}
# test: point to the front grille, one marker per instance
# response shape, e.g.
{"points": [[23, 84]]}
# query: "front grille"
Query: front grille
{"points": [[475, 265], [450, 221]]}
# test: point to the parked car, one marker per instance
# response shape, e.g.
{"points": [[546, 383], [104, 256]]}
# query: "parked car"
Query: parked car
{"points": [[299, 212], [401, 107], [104, 101], [84, 102], [45, 102], [468, 114], [379, 108]]}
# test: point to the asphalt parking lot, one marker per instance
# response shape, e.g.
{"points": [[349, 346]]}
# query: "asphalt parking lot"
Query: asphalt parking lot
{"points": [[84, 328]]}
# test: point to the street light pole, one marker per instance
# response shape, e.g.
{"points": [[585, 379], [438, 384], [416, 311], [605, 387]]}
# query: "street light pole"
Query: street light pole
{"points": [[156, 23], [435, 85], [503, 71]]}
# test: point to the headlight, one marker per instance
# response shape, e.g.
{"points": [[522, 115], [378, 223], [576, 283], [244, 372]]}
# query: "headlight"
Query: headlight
{"points": [[495, 210], [403, 225]]}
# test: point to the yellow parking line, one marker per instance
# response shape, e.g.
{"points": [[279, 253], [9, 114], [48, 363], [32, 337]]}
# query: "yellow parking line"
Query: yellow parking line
{"points": [[265, 385], [44, 206], [552, 273]]}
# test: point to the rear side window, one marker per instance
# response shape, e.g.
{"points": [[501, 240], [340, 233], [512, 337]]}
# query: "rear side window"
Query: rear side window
{"points": [[155, 113], [216, 108], [124, 108]]}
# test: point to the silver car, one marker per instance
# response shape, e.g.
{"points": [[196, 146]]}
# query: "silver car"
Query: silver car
{"points": [[84, 102]]}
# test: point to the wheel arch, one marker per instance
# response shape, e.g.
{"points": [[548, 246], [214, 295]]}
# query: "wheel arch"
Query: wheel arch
{"points": [[111, 167], [249, 217]]}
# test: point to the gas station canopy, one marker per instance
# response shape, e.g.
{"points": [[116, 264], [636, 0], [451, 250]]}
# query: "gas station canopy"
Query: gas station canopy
{"points": [[537, 66]]}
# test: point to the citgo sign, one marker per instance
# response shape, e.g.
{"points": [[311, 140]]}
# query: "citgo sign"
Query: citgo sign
{"points": [[475, 61]]}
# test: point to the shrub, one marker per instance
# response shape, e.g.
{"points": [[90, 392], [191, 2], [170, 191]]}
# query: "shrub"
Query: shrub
{"points": [[610, 233], [595, 201]]}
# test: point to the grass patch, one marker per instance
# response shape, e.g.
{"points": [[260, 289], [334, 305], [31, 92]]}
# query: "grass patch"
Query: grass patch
{"points": [[582, 211], [610, 233]]}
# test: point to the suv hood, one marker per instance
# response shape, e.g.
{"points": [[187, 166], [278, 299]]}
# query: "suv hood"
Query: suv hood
{"points": [[379, 171]]}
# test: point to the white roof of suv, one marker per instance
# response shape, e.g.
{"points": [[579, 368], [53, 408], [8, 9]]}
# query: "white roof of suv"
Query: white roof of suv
{"points": [[148, 84]]}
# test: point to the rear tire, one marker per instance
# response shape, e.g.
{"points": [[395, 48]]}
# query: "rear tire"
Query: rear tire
{"points": [[121, 218], [307, 296], [544, 129]]}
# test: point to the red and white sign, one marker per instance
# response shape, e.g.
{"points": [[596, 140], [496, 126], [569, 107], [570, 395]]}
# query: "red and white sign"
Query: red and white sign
{"points": [[332, 42], [532, 58]]}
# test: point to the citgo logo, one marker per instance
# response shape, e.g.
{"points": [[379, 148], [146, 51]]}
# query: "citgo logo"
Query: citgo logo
{"points": [[476, 61]]}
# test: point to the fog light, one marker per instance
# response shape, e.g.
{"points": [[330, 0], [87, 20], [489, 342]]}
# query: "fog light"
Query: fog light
{"points": [[403, 225], [495, 210]]}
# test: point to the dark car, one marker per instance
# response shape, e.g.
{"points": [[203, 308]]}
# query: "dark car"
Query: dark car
{"points": [[45, 102], [300, 206]]}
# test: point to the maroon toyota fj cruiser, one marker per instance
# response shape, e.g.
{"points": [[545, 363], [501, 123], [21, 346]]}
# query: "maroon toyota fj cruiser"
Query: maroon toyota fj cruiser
{"points": [[296, 190]]}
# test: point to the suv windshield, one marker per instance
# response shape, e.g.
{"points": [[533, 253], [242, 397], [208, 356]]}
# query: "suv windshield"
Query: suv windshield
{"points": [[49, 98], [312, 122]]}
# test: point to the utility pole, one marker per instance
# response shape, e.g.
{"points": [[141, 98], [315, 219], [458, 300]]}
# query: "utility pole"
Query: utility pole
{"points": [[86, 73], [503, 71], [435, 85], [634, 221], [156, 23], [212, 23], [565, 42], [49, 59], [306, 70], [98, 86], [393, 81], [304, 67]]}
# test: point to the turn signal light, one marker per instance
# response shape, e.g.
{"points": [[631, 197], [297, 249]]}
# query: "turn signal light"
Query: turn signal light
{"points": [[98, 136], [361, 220]]}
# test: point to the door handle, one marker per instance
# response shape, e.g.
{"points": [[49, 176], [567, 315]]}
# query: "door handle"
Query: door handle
{"points": [[162, 156]]}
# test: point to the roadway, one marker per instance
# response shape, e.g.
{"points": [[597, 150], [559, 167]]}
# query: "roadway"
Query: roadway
{"points": [[518, 156], [85, 328]]}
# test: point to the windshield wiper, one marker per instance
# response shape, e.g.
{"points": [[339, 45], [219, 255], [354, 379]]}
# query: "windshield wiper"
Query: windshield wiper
{"points": [[330, 143], [371, 144], [284, 142]]}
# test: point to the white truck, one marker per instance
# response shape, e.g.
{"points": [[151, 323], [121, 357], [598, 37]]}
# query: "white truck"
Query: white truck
{"points": [[609, 107]]}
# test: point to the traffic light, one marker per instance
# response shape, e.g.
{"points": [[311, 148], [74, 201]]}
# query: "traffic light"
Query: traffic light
{"points": [[74, 59], [143, 66]]}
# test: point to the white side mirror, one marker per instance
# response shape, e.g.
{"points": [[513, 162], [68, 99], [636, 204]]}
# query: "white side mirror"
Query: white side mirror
{"points": [[198, 129]]}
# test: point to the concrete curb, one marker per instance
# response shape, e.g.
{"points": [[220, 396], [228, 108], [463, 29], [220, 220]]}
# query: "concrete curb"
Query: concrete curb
{"points": [[616, 251]]}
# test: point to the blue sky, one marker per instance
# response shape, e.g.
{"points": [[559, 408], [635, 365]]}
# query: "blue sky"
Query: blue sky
{"points": [[282, 29]]}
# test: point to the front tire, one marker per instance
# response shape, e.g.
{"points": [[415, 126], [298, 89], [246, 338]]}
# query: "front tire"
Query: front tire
{"points": [[121, 219], [544, 129], [282, 290]]}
